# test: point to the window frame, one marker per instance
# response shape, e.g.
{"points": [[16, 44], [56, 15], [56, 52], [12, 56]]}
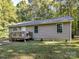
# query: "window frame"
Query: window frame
{"points": [[59, 28], [35, 29]]}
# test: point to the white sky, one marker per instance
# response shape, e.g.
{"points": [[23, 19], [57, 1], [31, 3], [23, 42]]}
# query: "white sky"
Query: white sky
{"points": [[16, 1]]}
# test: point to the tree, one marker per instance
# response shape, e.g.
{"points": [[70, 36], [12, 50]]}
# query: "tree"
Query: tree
{"points": [[41, 9], [7, 16], [23, 11]]}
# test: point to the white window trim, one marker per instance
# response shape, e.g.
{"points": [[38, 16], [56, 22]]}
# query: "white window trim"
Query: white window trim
{"points": [[62, 27]]}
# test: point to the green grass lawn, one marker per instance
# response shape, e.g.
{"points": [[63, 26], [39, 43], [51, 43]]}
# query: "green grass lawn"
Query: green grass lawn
{"points": [[40, 50]]}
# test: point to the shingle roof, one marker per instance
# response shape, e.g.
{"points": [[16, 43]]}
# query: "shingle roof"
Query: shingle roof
{"points": [[48, 21]]}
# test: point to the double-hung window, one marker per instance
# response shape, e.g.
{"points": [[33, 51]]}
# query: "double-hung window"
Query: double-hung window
{"points": [[59, 28], [36, 29]]}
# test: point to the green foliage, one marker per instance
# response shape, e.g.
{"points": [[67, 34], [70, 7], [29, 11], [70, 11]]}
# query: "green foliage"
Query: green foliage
{"points": [[23, 11], [7, 15], [38, 9], [41, 10]]}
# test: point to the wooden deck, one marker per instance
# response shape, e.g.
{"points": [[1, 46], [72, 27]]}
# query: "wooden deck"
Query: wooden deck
{"points": [[20, 35]]}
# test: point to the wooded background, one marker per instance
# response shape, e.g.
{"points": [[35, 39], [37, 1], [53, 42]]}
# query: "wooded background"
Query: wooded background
{"points": [[27, 10]]}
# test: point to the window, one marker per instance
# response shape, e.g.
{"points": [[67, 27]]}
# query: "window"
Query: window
{"points": [[59, 28], [36, 29]]}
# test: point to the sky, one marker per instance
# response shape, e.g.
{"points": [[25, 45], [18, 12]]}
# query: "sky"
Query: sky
{"points": [[16, 1]]}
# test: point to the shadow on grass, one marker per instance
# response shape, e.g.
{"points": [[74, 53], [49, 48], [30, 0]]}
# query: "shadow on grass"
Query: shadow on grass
{"points": [[39, 50]]}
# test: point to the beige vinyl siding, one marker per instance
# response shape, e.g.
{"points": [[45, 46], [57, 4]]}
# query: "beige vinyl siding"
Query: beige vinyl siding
{"points": [[50, 32]]}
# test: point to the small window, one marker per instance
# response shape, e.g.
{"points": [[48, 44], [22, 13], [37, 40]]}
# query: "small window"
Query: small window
{"points": [[36, 29], [59, 28]]}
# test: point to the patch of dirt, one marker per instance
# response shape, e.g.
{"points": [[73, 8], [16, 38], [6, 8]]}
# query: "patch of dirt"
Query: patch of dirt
{"points": [[23, 57]]}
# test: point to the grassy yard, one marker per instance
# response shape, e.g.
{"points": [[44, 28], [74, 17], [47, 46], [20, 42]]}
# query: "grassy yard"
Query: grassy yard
{"points": [[40, 50]]}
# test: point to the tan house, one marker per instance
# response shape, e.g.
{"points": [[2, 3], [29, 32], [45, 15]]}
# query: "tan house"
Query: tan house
{"points": [[50, 29]]}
